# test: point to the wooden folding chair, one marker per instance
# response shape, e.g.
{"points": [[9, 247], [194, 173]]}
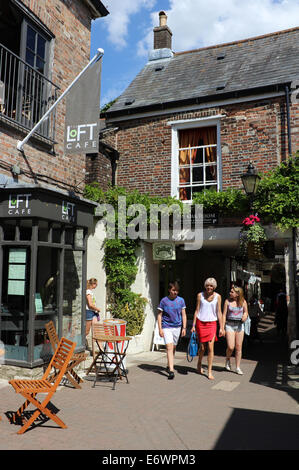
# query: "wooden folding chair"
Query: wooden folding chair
{"points": [[30, 388], [100, 329], [70, 374]]}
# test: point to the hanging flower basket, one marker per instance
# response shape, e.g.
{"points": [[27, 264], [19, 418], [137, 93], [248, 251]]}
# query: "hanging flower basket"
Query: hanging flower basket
{"points": [[252, 238]]}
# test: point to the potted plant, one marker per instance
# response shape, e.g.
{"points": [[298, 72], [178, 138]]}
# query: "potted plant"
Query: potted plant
{"points": [[252, 237]]}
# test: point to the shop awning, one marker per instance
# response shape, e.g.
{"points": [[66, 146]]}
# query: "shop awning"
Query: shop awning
{"points": [[33, 201]]}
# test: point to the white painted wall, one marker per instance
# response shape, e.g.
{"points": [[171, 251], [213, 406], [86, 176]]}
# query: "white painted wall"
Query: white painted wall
{"points": [[95, 268], [146, 284]]}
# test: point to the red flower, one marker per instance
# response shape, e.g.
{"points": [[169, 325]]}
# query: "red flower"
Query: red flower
{"points": [[251, 220]]}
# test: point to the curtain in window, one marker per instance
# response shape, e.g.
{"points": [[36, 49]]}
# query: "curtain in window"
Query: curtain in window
{"points": [[191, 138], [209, 138]]}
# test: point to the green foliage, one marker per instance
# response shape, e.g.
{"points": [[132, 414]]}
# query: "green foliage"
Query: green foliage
{"points": [[256, 234], [130, 306], [277, 198], [229, 202], [107, 106]]}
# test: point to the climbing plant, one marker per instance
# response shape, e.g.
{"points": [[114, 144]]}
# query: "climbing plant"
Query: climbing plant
{"points": [[229, 202], [277, 198]]}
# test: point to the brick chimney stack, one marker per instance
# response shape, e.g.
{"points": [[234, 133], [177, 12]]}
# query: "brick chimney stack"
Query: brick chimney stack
{"points": [[162, 34]]}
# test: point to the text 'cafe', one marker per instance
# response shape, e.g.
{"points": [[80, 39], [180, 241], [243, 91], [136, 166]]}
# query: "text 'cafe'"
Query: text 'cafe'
{"points": [[43, 258]]}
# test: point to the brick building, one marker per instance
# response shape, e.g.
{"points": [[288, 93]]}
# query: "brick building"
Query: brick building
{"points": [[232, 103], [44, 219]]}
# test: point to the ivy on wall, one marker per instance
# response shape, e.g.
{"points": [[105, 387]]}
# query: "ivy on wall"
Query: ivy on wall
{"points": [[277, 198]]}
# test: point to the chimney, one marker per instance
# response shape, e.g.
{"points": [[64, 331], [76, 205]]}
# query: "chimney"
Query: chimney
{"points": [[162, 34]]}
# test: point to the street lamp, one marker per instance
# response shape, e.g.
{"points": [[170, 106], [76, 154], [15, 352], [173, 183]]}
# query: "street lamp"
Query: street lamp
{"points": [[250, 181]]}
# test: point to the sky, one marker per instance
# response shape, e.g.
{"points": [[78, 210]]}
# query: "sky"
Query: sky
{"points": [[126, 34]]}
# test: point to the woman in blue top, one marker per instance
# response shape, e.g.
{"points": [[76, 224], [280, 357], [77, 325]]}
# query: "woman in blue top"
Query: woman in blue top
{"points": [[235, 312], [171, 318]]}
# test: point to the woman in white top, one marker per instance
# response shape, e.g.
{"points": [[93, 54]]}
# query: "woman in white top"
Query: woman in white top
{"points": [[235, 312], [208, 311], [92, 311]]}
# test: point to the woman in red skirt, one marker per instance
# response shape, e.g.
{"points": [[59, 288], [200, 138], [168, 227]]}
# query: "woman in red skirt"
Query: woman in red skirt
{"points": [[208, 311]]}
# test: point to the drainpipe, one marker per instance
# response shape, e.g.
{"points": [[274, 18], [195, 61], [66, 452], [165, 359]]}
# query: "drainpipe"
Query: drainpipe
{"points": [[294, 231]]}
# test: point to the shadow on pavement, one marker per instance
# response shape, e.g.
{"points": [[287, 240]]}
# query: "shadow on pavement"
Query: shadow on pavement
{"points": [[272, 357], [259, 430]]}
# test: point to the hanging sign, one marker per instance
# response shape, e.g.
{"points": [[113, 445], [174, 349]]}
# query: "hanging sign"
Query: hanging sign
{"points": [[82, 113], [163, 251]]}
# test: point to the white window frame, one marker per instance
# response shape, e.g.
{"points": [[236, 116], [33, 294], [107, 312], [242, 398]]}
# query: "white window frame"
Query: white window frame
{"points": [[176, 126]]}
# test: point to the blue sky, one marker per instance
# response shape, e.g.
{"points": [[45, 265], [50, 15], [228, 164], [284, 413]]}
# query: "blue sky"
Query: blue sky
{"points": [[126, 34]]}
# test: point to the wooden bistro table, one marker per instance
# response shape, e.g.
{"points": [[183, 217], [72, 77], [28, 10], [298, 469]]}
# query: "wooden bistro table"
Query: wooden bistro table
{"points": [[108, 361]]}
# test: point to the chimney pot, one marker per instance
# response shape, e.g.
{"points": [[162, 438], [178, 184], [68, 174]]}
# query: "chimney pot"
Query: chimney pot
{"points": [[162, 18]]}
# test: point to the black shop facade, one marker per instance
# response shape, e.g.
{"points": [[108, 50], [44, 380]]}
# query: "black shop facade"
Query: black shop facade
{"points": [[43, 259]]}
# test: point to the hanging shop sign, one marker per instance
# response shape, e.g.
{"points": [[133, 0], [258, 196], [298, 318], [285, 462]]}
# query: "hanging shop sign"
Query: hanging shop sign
{"points": [[163, 251], [82, 113]]}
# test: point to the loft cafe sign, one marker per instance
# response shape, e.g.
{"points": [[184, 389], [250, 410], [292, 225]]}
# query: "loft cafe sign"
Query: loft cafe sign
{"points": [[81, 133], [22, 205]]}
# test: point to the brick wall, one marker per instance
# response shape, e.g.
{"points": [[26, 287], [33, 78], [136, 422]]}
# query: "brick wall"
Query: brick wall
{"points": [[98, 169], [253, 131], [70, 23]]}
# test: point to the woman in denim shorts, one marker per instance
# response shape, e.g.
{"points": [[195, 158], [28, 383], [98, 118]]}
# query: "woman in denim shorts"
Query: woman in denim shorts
{"points": [[235, 312], [92, 311]]}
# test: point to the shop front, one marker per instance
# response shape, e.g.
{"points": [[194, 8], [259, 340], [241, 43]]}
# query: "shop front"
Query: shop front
{"points": [[43, 258]]}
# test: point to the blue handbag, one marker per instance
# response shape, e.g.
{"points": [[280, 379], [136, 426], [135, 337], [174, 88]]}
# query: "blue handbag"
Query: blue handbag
{"points": [[192, 349]]}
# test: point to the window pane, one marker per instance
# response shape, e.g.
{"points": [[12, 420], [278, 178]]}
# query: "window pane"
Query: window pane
{"points": [[9, 229], [197, 156], [72, 296], [197, 189], [31, 35], [41, 47], [43, 230], [184, 176], [25, 228], [210, 154], [29, 58], [211, 173], [197, 175], [40, 65], [46, 299], [56, 233], [15, 302], [69, 236], [79, 237], [185, 194], [184, 157]]}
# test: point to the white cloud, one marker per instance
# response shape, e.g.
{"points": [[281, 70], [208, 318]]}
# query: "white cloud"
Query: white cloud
{"points": [[198, 23], [117, 22]]}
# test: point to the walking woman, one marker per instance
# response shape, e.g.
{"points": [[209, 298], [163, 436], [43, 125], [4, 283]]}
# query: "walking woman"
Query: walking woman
{"points": [[208, 311], [172, 321], [235, 312]]}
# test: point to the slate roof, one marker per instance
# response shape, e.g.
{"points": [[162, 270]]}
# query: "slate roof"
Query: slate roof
{"points": [[255, 63]]}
